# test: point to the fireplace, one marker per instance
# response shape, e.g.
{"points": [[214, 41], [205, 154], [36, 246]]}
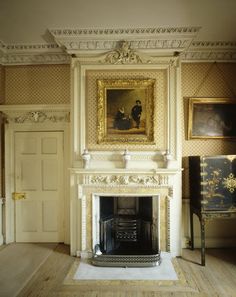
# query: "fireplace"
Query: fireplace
{"points": [[127, 231], [115, 171]]}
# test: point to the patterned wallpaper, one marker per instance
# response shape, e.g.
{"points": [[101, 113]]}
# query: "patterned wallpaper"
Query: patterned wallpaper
{"points": [[42, 84], [2, 92], [205, 80], [37, 84], [2, 84], [159, 94]]}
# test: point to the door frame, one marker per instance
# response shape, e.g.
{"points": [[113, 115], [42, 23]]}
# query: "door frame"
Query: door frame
{"points": [[33, 118]]}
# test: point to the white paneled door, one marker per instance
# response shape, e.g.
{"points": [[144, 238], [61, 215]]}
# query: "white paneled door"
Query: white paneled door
{"points": [[39, 206]]}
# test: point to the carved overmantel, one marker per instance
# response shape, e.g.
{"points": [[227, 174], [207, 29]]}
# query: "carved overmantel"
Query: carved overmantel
{"points": [[129, 168]]}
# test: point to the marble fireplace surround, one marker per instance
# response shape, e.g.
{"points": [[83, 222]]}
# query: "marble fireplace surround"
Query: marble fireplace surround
{"points": [[159, 184]]}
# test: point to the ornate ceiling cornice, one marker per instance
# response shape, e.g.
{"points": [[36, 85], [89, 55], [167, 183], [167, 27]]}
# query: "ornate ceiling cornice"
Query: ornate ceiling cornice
{"points": [[23, 54], [31, 59], [152, 41], [210, 51], [77, 41], [123, 31]]}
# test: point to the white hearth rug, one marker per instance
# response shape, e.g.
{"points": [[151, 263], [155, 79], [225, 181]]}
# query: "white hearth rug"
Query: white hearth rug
{"points": [[164, 271], [167, 275]]}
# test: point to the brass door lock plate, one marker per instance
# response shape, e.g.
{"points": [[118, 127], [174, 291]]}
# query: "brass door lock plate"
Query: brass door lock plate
{"points": [[18, 196]]}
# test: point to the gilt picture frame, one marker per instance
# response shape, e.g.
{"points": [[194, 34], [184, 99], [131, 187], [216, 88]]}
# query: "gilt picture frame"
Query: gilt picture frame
{"points": [[212, 118], [125, 110]]}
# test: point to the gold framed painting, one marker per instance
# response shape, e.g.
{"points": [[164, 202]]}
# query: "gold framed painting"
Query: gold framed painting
{"points": [[212, 118], [125, 111]]}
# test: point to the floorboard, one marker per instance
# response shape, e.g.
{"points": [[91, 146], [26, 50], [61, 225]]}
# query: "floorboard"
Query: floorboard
{"points": [[216, 279], [18, 262]]}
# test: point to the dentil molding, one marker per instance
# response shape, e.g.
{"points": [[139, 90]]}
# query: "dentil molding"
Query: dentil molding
{"points": [[30, 54], [77, 41], [210, 51]]}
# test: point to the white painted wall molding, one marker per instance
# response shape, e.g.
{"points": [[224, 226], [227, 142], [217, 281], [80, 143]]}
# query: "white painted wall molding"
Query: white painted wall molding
{"points": [[1, 220], [3, 47], [34, 59], [20, 114], [30, 54]]}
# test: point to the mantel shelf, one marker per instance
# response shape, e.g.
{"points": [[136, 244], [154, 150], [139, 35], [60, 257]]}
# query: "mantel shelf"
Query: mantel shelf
{"points": [[164, 171]]}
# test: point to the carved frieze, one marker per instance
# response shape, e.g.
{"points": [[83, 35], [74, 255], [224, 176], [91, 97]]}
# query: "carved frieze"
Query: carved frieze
{"points": [[178, 38], [127, 180], [33, 115], [22, 59]]}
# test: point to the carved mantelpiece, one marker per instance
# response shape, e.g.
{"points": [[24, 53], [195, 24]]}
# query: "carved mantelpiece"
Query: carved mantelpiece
{"points": [[130, 178], [93, 183]]}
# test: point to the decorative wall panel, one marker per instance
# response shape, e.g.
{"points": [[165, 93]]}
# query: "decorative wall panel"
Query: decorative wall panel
{"points": [[39, 84], [160, 110]]}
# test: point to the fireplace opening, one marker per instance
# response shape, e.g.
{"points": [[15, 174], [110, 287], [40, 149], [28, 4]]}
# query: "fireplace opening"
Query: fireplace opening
{"points": [[128, 231]]}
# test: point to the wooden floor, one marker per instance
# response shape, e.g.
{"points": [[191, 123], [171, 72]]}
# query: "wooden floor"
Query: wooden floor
{"points": [[216, 279]]}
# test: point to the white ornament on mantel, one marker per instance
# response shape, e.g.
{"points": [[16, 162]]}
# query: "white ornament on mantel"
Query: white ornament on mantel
{"points": [[86, 158], [126, 158], [168, 158]]}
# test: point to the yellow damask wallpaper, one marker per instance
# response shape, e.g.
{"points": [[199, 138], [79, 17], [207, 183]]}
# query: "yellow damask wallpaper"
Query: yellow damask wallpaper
{"points": [[37, 84]]}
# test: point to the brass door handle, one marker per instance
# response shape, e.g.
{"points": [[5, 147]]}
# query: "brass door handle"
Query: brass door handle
{"points": [[18, 196]]}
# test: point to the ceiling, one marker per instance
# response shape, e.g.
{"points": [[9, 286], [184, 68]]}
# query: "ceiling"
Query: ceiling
{"points": [[28, 21]]}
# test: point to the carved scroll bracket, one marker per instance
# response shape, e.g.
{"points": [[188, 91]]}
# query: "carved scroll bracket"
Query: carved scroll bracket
{"points": [[124, 54]]}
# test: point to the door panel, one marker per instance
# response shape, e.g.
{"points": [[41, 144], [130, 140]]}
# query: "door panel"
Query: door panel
{"points": [[39, 174], [29, 174], [28, 209]]}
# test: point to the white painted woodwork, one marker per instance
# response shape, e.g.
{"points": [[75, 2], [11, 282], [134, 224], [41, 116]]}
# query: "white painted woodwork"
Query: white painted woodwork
{"points": [[144, 163], [39, 174], [1, 220], [33, 118]]}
